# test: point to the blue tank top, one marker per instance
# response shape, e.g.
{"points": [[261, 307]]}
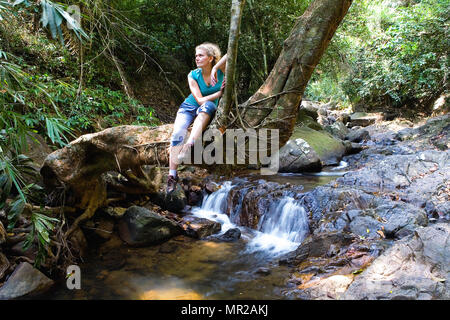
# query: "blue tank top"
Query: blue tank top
{"points": [[204, 89]]}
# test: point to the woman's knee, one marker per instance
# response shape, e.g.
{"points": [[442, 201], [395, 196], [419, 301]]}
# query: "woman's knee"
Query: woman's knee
{"points": [[208, 107], [177, 137]]}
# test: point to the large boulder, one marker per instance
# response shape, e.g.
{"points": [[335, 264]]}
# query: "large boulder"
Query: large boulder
{"points": [[141, 227], [329, 149], [396, 172], [25, 281], [416, 267], [297, 156]]}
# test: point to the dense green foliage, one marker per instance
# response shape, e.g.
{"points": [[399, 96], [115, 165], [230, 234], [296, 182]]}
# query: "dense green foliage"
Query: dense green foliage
{"points": [[387, 54]]}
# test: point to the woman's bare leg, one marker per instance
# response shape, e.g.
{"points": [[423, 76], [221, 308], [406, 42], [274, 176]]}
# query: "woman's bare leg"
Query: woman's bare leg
{"points": [[200, 123]]}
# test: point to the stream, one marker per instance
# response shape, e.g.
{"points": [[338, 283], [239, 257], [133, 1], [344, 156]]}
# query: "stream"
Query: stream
{"points": [[186, 268]]}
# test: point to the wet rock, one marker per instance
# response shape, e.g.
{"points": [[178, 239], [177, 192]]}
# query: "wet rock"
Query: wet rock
{"points": [[174, 202], [317, 246], [195, 196], [329, 205], [211, 187], [141, 227], [263, 271], [199, 228], [247, 202], [230, 235], [25, 281], [416, 267]]}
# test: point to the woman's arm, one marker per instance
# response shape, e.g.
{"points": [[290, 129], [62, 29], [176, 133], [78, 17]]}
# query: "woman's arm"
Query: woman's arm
{"points": [[195, 90], [221, 64]]}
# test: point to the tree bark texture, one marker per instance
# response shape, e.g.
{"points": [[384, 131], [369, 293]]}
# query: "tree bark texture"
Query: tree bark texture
{"points": [[287, 81], [221, 119]]}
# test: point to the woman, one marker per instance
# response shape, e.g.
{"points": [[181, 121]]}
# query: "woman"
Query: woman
{"points": [[206, 84]]}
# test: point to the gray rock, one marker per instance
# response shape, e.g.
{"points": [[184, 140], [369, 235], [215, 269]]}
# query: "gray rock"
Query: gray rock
{"points": [[352, 147], [397, 171], [141, 227], [406, 134], [364, 119], [337, 129], [263, 271], [317, 246], [358, 135], [416, 267], [297, 155], [25, 281], [311, 108]]}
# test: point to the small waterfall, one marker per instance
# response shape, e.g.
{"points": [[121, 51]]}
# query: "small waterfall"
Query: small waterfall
{"points": [[288, 220], [280, 230], [214, 207]]}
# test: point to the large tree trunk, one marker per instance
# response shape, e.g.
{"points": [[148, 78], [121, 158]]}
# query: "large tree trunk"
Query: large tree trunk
{"points": [[80, 165], [276, 103]]}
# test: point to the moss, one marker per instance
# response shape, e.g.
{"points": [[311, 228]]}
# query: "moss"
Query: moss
{"points": [[305, 119], [325, 145]]}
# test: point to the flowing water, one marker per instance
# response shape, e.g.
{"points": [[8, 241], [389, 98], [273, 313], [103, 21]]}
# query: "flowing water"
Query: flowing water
{"points": [[185, 268]]}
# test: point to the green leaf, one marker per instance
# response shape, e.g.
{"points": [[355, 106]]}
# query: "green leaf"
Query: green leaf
{"points": [[14, 212]]}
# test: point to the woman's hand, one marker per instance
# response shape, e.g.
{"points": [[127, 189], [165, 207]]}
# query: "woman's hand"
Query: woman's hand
{"points": [[224, 82], [213, 76]]}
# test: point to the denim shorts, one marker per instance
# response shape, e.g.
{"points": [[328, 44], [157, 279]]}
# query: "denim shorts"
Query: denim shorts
{"points": [[185, 116]]}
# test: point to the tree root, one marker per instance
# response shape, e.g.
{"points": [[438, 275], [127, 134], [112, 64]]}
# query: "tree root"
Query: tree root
{"points": [[3, 234], [94, 200], [4, 265]]}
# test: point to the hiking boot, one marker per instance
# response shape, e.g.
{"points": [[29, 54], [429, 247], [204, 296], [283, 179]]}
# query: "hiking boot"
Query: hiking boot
{"points": [[171, 184]]}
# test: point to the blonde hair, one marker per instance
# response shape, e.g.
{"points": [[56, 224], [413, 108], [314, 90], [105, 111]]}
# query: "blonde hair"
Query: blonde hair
{"points": [[212, 50]]}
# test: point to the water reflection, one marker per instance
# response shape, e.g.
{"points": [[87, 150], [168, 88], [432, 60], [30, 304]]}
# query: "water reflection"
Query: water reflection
{"points": [[199, 269]]}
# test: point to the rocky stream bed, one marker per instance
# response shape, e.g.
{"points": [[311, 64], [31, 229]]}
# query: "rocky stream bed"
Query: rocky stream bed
{"points": [[377, 228]]}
